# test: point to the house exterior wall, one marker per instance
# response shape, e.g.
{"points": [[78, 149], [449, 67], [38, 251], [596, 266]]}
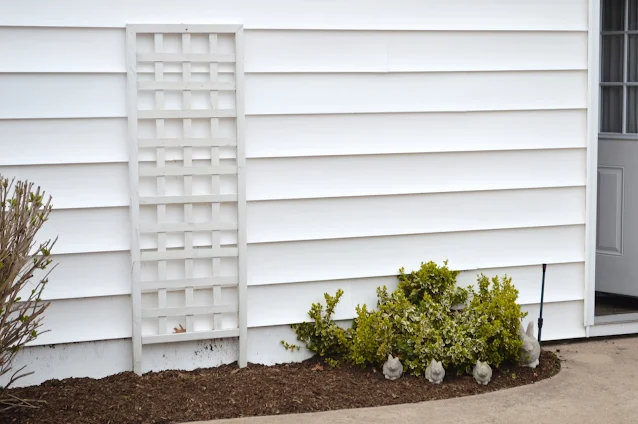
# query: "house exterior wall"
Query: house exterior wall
{"points": [[378, 134]]}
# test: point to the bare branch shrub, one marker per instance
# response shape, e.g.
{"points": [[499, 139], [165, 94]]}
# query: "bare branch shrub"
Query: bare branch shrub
{"points": [[23, 211]]}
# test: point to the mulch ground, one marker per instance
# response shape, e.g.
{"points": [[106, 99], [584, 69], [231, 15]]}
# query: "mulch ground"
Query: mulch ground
{"points": [[228, 392]]}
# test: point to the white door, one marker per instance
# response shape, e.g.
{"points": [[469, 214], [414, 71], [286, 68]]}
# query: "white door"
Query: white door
{"points": [[617, 217]]}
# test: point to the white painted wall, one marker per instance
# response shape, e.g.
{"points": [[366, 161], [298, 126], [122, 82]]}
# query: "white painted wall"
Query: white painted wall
{"points": [[379, 134]]}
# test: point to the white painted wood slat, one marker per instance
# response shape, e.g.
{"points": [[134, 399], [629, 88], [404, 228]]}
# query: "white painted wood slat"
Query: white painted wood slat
{"points": [[189, 254], [185, 227], [187, 142], [185, 114], [209, 282], [188, 310], [181, 57], [201, 198], [195, 335], [182, 86], [187, 170], [182, 29]]}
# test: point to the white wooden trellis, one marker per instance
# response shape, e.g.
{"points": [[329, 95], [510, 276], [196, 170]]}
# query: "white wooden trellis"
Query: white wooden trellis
{"points": [[187, 184]]}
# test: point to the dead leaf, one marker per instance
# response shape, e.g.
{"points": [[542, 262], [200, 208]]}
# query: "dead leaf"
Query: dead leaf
{"points": [[317, 367], [180, 329]]}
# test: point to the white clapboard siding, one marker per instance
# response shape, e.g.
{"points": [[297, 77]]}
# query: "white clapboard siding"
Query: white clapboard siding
{"points": [[105, 185], [89, 275], [28, 96], [108, 229], [97, 359], [101, 50], [375, 256], [406, 51], [287, 220], [69, 141], [77, 186], [88, 230], [292, 301], [348, 134], [562, 320], [79, 320], [330, 14], [299, 178], [62, 49], [413, 92], [63, 141]]}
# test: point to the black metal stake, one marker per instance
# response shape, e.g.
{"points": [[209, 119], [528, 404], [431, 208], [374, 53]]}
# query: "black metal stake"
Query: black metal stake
{"points": [[540, 318]]}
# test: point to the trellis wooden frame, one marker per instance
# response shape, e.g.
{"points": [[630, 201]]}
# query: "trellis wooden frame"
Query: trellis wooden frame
{"points": [[135, 143]]}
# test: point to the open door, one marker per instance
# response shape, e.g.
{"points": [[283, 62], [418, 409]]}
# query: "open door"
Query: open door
{"points": [[617, 221]]}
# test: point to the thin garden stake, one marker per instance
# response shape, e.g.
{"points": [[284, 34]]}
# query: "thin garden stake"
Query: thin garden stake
{"points": [[540, 317]]}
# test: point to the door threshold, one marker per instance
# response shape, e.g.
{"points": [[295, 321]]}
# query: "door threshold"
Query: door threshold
{"points": [[618, 328], [616, 318]]}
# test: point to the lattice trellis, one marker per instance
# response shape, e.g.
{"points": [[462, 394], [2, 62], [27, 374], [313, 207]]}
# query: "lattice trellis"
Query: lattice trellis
{"points": [[186, 161]]}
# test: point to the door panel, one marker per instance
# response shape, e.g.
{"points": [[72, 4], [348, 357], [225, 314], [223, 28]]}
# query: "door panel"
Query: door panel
{"points": [[609, 216], [617, 217]]}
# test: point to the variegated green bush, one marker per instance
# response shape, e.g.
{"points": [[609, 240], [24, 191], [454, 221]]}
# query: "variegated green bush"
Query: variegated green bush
{"points": [[427, 317]]}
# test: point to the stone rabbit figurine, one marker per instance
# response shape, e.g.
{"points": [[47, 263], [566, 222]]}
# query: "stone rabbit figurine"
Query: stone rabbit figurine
{"points": [[435, 372], [482, 373], [392, 369], [530, 352]]}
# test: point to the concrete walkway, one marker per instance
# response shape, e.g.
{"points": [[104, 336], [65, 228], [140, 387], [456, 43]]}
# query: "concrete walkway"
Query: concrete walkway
{"points": [[597, 384]]}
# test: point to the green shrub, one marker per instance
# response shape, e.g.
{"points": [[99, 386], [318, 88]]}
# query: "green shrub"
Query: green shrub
{"points": [[496, 318], [423, 320], [322, 335]]}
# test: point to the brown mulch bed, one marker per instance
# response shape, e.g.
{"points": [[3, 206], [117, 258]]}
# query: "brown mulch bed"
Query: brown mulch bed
{"points": [[229, 392]]}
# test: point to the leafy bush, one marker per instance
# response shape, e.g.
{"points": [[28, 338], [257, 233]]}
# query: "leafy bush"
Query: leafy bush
{"points": [[323, 336], [427, 317], [23, 211]]}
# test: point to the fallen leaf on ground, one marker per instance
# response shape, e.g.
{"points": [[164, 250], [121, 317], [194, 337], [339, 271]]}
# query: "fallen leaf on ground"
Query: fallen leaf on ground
{"points": [[317, 367]]}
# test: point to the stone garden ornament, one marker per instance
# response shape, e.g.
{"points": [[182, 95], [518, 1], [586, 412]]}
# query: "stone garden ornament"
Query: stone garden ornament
{"points": [[530, 351], [392, 369], [482, 373], [435, 372]]}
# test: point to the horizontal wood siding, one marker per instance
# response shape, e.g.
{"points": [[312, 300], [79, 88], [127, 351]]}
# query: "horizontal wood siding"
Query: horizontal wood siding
{"points": [[563, 283], [32, 96], [413, 131], [490, 15]]}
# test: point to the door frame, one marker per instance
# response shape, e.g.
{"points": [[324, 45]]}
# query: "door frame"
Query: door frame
{"points": [[613, 325], [593, 125]]}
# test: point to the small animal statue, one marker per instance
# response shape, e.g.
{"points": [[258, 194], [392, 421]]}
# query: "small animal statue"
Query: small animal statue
{"points": [[530, 351], [435, 372], [482, 373], [392, 369]]}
